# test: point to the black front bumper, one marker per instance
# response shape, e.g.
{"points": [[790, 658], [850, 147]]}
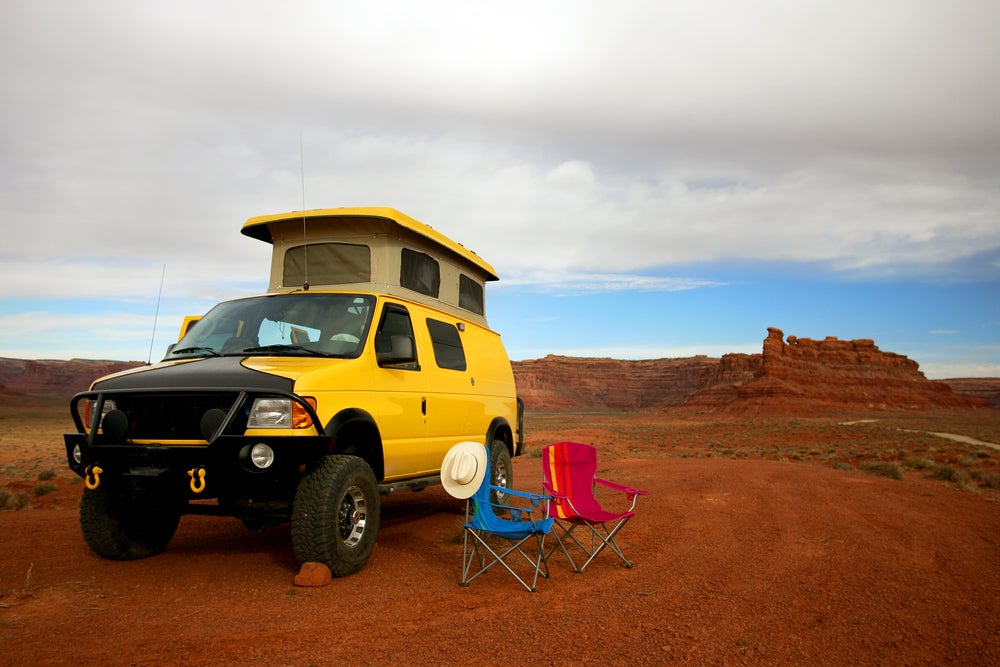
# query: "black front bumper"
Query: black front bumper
{"points": [[138, 456], [228, 471]]}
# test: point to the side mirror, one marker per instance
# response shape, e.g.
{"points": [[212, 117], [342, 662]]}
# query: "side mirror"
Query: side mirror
{"points": [[400, 352]]}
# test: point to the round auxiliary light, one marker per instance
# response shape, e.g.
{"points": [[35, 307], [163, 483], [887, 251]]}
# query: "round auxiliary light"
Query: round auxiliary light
{"points": [[115, 425], [77, 454], [262, 456]]}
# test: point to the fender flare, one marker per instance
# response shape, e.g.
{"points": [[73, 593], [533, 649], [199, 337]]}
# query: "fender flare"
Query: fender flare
{"points": [[365, 439], [499, 429]]}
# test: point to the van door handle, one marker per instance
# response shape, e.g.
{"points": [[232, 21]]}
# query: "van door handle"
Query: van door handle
{"points": [[423, 406]]}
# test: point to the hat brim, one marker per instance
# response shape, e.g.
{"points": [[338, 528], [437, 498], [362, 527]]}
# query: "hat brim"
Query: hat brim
{"points": [[453, 483]]}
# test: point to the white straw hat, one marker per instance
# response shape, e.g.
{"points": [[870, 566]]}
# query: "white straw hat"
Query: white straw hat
{"points": [[464, 469]]}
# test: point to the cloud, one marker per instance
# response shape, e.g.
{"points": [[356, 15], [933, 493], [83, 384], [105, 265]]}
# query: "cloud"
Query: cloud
{"points": [[567, 283], [100, 334], [608, 142], [946, 370]]}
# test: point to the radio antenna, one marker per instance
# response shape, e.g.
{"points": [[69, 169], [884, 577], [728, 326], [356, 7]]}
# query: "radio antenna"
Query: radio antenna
{"points": [[305, 244], [156, 316]]}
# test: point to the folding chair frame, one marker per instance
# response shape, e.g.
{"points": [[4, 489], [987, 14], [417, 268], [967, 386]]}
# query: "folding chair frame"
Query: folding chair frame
{"points": [[533, 531], [568, 518]]}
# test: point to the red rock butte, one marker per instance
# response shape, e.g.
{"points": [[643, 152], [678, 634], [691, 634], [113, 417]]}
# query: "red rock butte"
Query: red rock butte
{"points": [[788, 376]]}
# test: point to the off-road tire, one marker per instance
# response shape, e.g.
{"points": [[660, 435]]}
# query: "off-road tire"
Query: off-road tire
{"points": [[335, 516], [120, 529], [501, 471]]}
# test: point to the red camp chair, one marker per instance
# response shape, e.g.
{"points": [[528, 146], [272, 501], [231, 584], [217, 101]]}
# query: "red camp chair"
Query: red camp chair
{"points": [[568, 476]]}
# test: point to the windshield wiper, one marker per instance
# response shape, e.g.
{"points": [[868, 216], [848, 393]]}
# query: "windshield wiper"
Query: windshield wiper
{"points": [[197, 348], [281, 347]]}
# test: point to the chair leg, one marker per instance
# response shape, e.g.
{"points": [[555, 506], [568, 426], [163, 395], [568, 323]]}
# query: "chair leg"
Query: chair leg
{"points": [[598, 542], [480, 546], [607, 540], [566, 533]]}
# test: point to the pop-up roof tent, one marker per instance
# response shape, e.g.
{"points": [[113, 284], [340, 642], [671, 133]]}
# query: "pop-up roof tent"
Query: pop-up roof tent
{"points": [[372, 250]]}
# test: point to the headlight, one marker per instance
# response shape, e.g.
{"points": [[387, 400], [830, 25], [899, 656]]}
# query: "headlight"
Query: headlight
{"points": [[279, 413], [262, 456], [77, 454], [91, 405], [271, 413]]}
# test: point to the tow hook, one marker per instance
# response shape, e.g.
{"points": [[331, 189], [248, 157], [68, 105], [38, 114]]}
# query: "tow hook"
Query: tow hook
{"points": [[92, 477], [197, 476]]}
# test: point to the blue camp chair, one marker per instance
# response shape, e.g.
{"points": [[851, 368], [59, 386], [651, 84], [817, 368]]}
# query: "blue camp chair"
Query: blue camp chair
{"points": [[489, 537]]}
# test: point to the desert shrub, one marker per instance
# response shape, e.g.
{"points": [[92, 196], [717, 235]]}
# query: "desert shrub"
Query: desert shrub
{"points": [[46, 475], [919, 463], [44, 488], [952, 474], [10, 500], [966, 461], [944, 472], [988, 480], [889, 469], [841, 465]]}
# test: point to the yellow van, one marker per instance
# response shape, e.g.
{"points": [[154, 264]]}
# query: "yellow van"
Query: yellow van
{"points": [[367, 358]]}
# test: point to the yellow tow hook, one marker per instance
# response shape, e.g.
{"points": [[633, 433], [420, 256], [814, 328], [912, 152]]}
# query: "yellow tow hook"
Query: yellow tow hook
{"points": [[197, 476], [92, 478]]}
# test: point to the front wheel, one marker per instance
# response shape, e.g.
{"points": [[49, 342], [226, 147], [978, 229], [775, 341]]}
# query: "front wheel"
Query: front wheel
{"points": [[126, 529], [335, 516]]}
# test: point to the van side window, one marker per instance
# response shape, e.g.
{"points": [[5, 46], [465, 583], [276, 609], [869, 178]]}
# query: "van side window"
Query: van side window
{"points": [[420, 272], [394, 342], [470, 294], [327, 264], [448, 350]]}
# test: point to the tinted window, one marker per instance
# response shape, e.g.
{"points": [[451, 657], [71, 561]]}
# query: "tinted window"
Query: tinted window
{"points": [[419, 272], [470, 294], [448, 350]]}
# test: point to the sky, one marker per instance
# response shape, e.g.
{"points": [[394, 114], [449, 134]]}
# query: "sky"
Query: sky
{"points": [[650, 179]]}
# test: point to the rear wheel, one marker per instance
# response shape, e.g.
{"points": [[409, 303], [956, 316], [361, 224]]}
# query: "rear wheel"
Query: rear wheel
{"points": [[501, 471], [126, 529], [335, 517]]}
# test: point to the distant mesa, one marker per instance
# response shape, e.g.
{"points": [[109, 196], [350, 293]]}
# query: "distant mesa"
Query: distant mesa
{"points": [[50, 377], [793, 375]]}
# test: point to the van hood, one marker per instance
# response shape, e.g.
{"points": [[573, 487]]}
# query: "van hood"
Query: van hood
{"points": [[260, 373]]}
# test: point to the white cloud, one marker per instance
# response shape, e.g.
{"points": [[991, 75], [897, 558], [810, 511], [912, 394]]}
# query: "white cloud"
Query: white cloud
{"points": [[566, 283], [946, 370], [607, 141]]}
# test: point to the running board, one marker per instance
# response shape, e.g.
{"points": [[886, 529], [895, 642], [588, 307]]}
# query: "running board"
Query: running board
{"points": [[418, 484]]}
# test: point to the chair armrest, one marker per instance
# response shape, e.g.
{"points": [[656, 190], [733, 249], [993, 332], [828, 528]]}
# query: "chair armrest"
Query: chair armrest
{"points": [[630, 491], [535, 499]]}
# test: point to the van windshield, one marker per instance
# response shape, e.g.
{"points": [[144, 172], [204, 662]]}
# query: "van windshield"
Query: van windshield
{"points": [[301, 324]]}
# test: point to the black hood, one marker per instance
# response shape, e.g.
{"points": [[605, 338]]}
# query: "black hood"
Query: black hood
{"points": [[207, 373]]}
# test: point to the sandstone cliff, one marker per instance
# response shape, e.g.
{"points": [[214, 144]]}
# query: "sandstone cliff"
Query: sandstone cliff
{"points": [[802, 371], [560, 383], [798, 375], [49, 377]]}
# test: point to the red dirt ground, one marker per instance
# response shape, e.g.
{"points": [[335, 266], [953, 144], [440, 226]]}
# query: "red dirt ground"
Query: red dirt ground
{"points": [[744, 560]]}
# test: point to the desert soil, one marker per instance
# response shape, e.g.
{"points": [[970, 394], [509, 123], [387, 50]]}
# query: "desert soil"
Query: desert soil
{"points": [[751, 548]]}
